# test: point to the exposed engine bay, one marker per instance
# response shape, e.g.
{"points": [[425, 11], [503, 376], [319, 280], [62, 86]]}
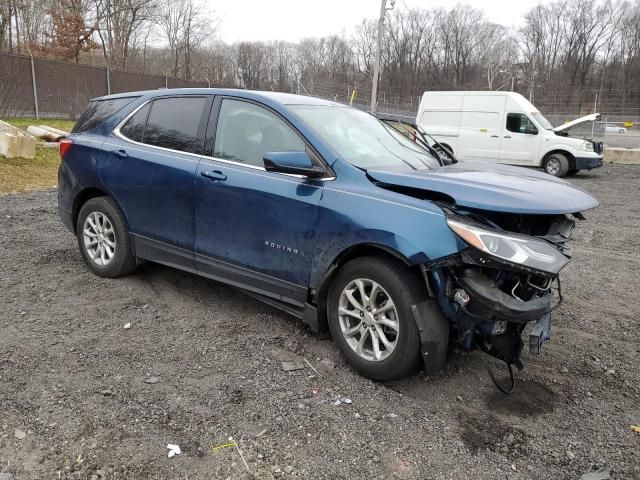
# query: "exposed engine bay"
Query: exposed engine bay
{"points": [[490, 292]]}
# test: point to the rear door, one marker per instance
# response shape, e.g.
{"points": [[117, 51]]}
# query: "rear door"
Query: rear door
{"points": [[253, 227], [150, 167], [520, 140]]}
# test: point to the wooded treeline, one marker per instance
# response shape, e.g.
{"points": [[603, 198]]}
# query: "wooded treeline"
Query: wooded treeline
{"points": [[565, 53]]}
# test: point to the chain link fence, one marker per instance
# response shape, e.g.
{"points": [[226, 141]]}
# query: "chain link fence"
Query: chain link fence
{"points": [[37, 87]]}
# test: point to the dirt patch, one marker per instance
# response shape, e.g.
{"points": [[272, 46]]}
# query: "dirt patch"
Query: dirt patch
{"points": [[530, 398], [481, 431]]}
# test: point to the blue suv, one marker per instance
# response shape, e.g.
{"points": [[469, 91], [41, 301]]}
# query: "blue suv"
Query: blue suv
{"points": [[325, 212]]}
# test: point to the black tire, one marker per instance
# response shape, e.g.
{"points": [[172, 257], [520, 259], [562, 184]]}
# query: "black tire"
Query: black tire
{"points": [[445, 152], [123, 260], [557, 165], [405, 290]]}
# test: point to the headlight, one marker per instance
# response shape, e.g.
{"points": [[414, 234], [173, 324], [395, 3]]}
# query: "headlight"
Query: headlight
{"points": [[587, 146], [528, 251]]}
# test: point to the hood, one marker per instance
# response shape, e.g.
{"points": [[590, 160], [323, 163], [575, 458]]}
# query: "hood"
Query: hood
{"points": [[490, 186], [587, 118]]}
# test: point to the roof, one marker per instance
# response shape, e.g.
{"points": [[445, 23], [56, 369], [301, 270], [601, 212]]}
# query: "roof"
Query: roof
{"points": [[267, 97]]}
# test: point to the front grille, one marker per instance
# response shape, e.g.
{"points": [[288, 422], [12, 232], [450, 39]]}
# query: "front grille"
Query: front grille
{"points": [[598, 147]]}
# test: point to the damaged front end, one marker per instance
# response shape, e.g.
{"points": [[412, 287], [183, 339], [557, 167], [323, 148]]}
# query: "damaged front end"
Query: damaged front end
{"points": [[502, 281]]}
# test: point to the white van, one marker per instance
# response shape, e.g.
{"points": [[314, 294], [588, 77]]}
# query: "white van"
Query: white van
{"points": [[504, 127]]}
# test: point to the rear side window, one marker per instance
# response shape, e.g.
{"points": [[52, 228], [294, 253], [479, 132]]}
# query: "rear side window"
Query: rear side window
{"points": [[98, 111], [173, 123], [134, 128]]}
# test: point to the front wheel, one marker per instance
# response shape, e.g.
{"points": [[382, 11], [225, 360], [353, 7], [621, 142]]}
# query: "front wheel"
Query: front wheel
{"points": [[370, 318], [557, 165]]}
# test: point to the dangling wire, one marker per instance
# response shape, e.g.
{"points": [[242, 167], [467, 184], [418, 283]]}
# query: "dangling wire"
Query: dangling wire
{"points": [[508, 391]]}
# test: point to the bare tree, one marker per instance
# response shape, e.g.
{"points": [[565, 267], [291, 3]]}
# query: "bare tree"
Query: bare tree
{"points": [[121, 23], [185, 26]]}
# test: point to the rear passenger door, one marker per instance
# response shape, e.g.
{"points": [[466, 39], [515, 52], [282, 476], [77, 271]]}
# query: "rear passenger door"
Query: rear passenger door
{"points": [[149, 168]]}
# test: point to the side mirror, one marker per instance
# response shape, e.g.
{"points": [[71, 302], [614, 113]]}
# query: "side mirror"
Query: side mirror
{"points": [[296, 163], [530, 130]]}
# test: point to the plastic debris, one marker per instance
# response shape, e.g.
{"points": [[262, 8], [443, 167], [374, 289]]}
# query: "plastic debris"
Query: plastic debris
{"points": [[635, 428], [215, 448], [173, 450], [602, 474], [340, 400], [127, 326], [291, 366], [312, 368]]}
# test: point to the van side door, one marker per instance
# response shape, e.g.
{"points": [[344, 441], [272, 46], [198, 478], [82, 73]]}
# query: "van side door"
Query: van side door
{"points": [[520, 140]]}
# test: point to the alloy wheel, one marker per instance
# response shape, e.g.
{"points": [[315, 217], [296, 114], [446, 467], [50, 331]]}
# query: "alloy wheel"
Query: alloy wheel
{"points": [[368, 319], [553, 166], [99, 238]]}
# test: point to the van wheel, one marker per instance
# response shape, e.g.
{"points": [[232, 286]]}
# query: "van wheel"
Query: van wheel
{"points": [[370, 318], [445, 153], [103, 238], [557, 165]]}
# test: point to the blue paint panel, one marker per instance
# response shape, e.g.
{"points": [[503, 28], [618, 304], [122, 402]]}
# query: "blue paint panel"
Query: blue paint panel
{"points": [[500, 188], [154, 188], [257, 219]]}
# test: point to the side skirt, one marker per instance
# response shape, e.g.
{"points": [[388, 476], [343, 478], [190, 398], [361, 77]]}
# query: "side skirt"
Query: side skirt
{"points": [[284, 295]]}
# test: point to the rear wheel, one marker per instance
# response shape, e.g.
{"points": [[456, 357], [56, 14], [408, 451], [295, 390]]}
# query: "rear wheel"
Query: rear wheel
{"points": [[103, 238], [370, 318], [557, 165]]}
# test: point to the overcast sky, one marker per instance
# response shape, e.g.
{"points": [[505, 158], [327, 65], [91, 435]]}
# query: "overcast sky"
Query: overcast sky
{"points": [[295, 19]]}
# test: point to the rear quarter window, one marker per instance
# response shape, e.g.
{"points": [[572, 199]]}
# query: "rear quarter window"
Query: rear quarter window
{"points": [[98, 111]]}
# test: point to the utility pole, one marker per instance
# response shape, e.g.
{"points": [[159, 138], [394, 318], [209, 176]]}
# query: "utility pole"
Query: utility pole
{"points": [[376, 66]]}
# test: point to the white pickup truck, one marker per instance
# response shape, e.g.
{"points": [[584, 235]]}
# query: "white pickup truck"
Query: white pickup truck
{"points": [[504, 127]]}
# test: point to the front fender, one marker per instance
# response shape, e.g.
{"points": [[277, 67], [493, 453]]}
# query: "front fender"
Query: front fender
{"points": [[415, 229]]}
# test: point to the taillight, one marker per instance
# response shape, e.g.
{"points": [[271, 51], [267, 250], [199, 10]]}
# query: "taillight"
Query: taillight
{"points": [[64, 146]]}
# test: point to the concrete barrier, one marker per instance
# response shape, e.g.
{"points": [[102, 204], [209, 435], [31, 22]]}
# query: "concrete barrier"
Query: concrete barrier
{"points": [[16, 143], [626, 156]]}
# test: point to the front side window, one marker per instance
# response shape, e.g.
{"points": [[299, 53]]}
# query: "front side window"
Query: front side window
{"points": [[363, 140], [245, 132], [173, 123], [519, 123]]}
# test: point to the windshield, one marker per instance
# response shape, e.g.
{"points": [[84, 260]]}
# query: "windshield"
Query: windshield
{"points": [[363, 140], [543, 122]]}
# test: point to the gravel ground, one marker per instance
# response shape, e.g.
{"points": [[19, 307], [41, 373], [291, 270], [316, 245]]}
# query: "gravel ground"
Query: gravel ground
{"points": [[82, 396]]}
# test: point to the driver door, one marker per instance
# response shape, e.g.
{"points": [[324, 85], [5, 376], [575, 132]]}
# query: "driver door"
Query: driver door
{"points": [[520, 140], [254, 228]]}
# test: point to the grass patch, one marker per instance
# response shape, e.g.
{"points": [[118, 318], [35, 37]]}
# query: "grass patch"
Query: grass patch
{"points": [[23, 123], [26, 174]]}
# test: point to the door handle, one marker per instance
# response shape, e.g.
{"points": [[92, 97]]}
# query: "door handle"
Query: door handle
{"points": [[214, 175], [495, 136], [507, 136], [121, 153]]}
